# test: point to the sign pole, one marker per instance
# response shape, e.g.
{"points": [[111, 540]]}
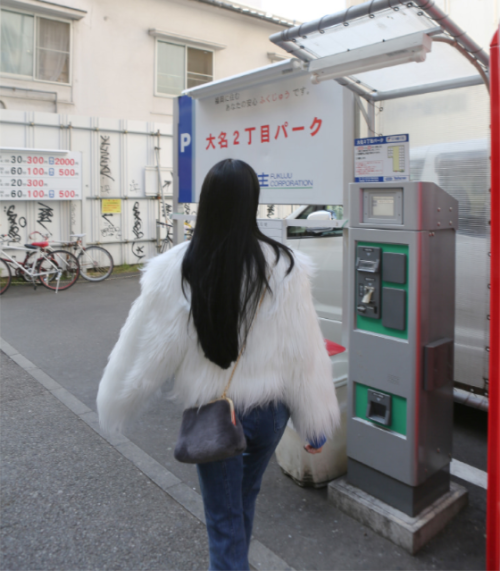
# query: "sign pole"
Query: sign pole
{"points": [[178, 225]]}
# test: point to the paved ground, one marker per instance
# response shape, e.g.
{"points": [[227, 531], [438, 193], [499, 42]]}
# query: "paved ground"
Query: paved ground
{"points": [[68, 336], [71, 501]]}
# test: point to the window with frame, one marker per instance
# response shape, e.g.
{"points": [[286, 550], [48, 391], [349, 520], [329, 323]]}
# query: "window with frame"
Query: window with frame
{"points": [[34, 47], [181, 67]]}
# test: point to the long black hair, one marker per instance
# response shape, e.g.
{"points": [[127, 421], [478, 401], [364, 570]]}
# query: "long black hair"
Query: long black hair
{"points": [[224, 264]]}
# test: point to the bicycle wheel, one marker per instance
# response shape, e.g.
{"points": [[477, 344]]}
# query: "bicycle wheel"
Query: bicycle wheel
{"points": [[29, 264], [5, 276], [58, 270], [166, 244], [96, 263]]}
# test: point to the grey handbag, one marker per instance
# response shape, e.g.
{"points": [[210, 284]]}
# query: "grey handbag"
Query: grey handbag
{"points": [[212, 432], [209, 433]]}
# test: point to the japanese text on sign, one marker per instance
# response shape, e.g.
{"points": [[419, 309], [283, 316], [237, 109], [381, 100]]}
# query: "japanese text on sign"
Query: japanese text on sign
{"points": [[30, 174], [263, 134], [234, 101]]}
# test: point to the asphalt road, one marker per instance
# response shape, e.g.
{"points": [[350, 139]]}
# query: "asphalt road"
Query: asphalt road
{"points": [[69, 335]]}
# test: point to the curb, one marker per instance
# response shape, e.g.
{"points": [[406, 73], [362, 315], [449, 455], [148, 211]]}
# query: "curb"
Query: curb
{"points": [[260, 557]]}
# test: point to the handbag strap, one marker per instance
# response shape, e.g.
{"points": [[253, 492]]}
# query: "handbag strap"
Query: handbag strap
{"points": [[223, 396]]}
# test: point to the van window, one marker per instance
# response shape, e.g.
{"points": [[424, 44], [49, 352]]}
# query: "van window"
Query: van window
{"points": [[465, 175], [416, 168]]}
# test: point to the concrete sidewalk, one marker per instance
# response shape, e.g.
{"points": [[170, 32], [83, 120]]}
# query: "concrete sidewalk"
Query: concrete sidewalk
{"points": [[70, 500]]}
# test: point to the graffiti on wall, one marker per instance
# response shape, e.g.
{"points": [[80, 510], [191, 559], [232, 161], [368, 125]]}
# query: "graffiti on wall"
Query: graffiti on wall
{"points": [[45, 215], [105, 164], [14, 222], [109, 229], [166, 210], [73, 217], [137, 250], [136, 228], [135, 187]]}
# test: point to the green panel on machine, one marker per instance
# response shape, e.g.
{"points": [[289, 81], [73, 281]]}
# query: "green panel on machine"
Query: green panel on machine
{"points": [[376, 325], [397, 403]]}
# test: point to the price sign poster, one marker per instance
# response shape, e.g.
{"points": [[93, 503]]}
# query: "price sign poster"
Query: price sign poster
{"points": [[382, 159], [32, 174]]}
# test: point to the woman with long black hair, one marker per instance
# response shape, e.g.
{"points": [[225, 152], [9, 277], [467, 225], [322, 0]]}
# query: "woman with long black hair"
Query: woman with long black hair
{"points": [[199, 306]]}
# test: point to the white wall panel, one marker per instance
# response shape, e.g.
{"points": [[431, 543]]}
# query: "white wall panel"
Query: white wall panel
{"points": [[47, 133], [137, 157], [11, 134], [115, 154]]}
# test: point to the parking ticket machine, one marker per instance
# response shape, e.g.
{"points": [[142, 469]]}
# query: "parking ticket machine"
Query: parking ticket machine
{"points": [[401, 330]]}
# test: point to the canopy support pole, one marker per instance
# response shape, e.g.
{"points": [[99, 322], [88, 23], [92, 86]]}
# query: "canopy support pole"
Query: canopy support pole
{"points": [[371, 119], [493, 498], [428, 88], [357, 98], [467, 56]]}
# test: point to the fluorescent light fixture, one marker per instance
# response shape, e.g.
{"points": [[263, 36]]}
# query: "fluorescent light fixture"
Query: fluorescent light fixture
{"points": [[247, 79], [406, 49]]}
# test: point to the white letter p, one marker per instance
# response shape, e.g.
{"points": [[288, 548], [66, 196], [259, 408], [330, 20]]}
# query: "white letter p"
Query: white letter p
{"points": [[185, 141]]}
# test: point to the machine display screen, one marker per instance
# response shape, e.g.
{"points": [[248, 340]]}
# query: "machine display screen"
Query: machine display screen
{"points": [[383, 205]]}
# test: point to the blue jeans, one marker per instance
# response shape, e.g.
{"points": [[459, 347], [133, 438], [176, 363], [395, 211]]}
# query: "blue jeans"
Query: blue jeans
{"points": [[230, 487]]}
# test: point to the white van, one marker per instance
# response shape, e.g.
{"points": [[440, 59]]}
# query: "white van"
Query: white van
{"points": [[462, 169]]}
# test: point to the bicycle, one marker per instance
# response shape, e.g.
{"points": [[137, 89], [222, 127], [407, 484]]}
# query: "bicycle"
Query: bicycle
{"points": [[29, 260], [56, 270], [96, 263], [188, 229], [168, 242]]}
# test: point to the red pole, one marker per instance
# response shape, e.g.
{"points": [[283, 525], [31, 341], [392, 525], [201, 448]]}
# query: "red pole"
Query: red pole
{"points": [[493, 498]]}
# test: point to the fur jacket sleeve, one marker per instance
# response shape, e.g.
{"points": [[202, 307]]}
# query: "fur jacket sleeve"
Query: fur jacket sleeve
{"points": [[151, 345], [284, 360], [308, 389]]}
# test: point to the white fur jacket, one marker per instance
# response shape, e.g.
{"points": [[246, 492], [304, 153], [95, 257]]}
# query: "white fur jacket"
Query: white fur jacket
{"points": [[285, 358]]}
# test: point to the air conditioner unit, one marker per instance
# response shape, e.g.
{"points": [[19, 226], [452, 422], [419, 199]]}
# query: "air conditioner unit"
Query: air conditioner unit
{"points": [[406, 49]]}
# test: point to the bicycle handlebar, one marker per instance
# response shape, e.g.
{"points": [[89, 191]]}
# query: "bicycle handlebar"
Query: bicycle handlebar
{"points": [[6, 238], [44, 236]]}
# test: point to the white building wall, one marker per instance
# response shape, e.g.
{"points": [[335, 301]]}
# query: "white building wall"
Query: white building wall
{"points": [[112, 90], [113, 55]]}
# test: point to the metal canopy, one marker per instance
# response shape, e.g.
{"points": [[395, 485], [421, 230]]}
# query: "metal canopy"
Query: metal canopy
{"points": [[455, 60]]}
